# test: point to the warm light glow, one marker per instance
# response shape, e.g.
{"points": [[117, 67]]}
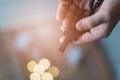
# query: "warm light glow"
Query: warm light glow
{"points": [[35, 76], [31, 65], [39, 69], [54, 71], [47, 76], [45, 63], [43, 70]]}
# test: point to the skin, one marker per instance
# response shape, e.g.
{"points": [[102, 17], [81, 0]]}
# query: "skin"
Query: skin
{"points": [[100, 24]]}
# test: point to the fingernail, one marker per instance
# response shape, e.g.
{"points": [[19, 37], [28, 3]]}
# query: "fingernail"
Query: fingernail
{"points": [[62, 28], [62, 39], [80, 26]]}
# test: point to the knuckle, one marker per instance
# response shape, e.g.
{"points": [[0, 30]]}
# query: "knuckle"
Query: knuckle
{"points": [[106, 15], [87, 23]]}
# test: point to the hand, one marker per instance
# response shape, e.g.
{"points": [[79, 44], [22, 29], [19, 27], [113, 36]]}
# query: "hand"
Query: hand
{"points": [[69, 10], [100, 24]]}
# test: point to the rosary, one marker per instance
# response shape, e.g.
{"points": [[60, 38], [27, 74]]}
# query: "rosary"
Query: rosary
{"points": [[72, 34], [94, 6]]}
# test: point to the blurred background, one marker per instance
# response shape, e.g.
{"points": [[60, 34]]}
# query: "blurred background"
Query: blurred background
{"points": [[29, 31]]}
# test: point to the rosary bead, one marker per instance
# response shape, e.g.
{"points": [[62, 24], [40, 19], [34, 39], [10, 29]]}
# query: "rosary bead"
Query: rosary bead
{"points": [[91, 5], [99, 1], [94, 6], [92, 1], [97, 5]]}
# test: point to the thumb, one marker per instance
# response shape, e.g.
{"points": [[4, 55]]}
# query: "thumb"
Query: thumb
{"points": [[90, 22]]}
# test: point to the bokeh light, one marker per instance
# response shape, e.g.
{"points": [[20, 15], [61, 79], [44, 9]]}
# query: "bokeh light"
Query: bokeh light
{"points": [[35, 76], [54, 71], [47, 76], [31, 65], [22, 40], [39, 69], [45, 63], [43, 70]]}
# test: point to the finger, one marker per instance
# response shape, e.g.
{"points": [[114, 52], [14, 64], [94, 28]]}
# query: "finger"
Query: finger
{"points": [[86, 5], [90, 22], [63, 9], [62, 39], [96, 33], [69, 19], [79, 14], [80, 3], [84, 38]]}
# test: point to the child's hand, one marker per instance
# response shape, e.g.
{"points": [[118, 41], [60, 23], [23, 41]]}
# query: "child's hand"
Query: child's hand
{"points": [[69, 10], [100, 24]]}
